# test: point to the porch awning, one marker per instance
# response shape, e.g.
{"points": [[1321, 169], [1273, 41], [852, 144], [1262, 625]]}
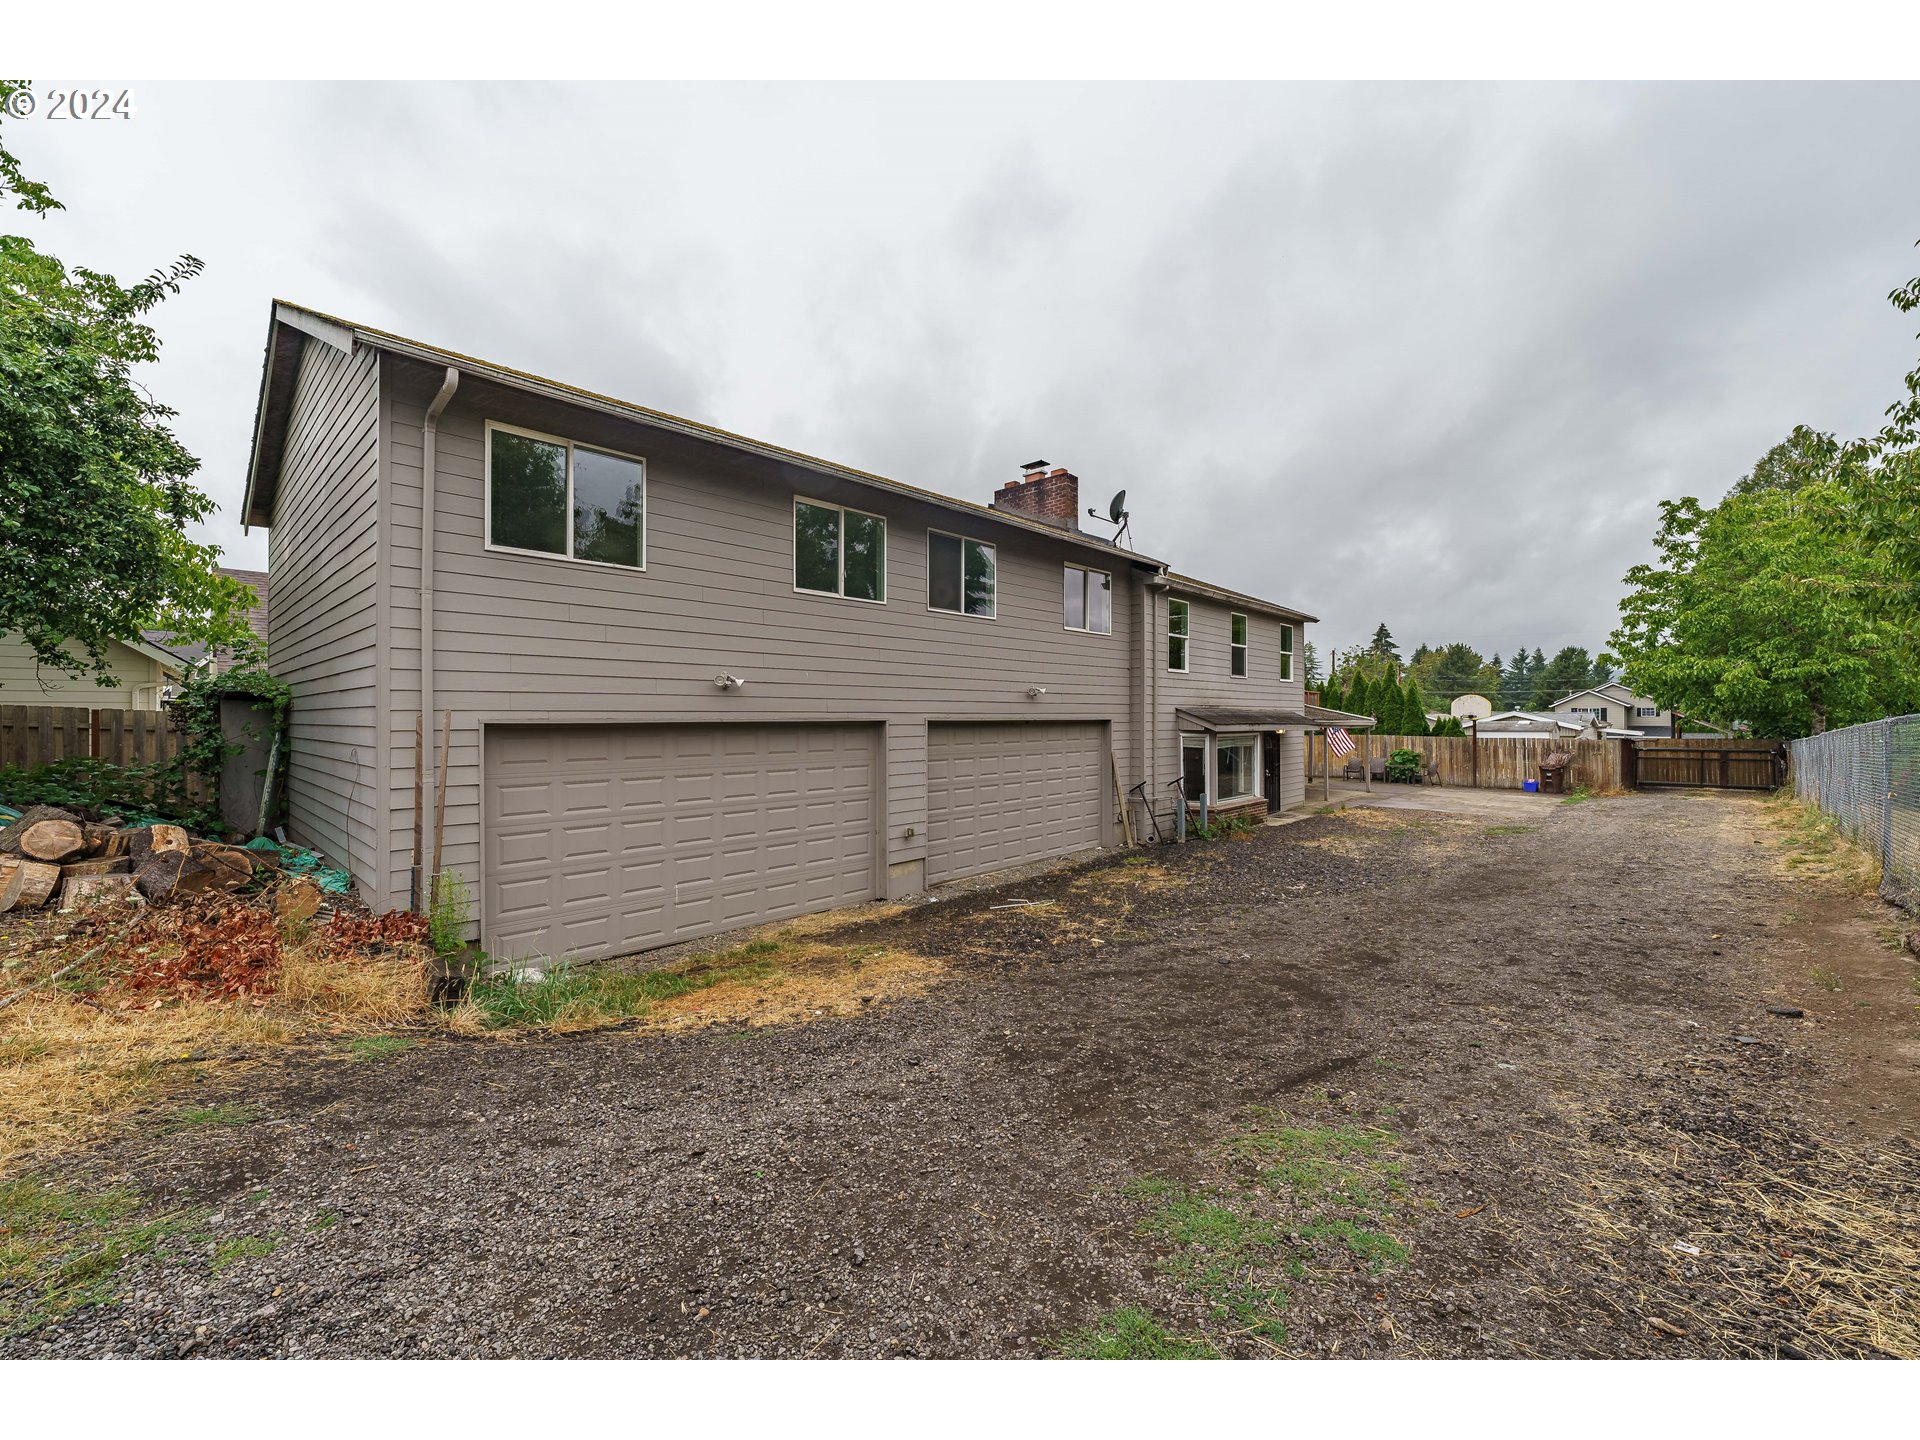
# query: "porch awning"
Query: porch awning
{"points": [[1223, 718]]}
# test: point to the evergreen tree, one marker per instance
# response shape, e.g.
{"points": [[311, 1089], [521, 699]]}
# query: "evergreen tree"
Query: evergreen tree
{"points": [[1310, 660], [1570, 669], [1382, 646], [1359, 699], [1413, 709]]}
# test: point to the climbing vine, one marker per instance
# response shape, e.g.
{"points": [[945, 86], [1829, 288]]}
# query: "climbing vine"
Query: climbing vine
{"points": [[204, 749]]}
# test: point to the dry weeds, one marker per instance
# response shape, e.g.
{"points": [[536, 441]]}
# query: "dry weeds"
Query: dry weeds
{"points": [[72, 1061], [1803, 1247]]}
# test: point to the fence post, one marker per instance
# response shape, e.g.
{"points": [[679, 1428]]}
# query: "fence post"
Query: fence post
{"points": [[1886, 809]]}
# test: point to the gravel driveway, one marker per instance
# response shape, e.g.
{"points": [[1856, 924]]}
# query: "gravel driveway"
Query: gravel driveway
{"points": [[1516, 1004]]}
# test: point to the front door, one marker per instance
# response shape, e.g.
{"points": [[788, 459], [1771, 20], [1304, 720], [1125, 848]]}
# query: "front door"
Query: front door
{"points": [[1271, 766]]}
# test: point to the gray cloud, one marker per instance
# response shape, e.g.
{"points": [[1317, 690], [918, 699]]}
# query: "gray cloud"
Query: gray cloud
{"points": [[1424, 354]]}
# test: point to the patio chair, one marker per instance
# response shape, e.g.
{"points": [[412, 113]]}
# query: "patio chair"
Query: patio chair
{"points": [[1355, 768]]}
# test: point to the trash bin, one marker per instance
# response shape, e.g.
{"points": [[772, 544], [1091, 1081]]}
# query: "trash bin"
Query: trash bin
{"points": [[1532, 787], [1553, 772]]}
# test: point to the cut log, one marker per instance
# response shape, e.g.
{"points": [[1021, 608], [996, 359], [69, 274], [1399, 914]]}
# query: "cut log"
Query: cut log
{"points": [[27, 884], [165, 874], [168, 838], [232, 864], [116, 843], [53, 840], [83, 892], [100, 838], [74, 869], [10, 835], [298, 898]]}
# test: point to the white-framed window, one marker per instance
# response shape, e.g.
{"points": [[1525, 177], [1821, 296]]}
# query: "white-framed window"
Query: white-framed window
{"points": [[1646, 712], [1236, 768], [548, 496], [1193, 766], [1089, 600], [837, 551], [962, 574], [1237, 641], [1286, 652], [1179, 618]]}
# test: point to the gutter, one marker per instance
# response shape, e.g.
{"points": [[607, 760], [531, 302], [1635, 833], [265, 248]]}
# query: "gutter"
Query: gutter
{"points": [[429, 435]]}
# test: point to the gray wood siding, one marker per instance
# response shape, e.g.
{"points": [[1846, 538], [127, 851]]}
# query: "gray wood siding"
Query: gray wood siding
{"points": [[1209, 681], [322, 552], [529, 638]]}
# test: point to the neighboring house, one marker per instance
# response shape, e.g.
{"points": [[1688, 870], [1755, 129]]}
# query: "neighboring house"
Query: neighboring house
{"points": [[1533, 725], [140, 675], [1614, 706], [193, 651], [698, 681], [145, 673]]}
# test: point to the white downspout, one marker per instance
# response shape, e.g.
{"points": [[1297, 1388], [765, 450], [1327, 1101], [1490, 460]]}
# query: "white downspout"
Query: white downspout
{"points": [[429, 732]]}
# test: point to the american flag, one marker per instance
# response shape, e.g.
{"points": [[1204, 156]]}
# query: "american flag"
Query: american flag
{"points": [[1339, 742]]}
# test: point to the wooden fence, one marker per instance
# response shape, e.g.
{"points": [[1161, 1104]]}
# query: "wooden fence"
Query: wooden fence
{"points": [[1710, 762], [1503, 765], [34, 735]]}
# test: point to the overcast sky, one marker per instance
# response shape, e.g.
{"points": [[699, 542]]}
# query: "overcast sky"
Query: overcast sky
{"points": [[1421, 354]]}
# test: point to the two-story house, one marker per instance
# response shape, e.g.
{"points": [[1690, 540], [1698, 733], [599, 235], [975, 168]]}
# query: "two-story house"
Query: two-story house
{"points": [[1616, 707], [693, 680]]}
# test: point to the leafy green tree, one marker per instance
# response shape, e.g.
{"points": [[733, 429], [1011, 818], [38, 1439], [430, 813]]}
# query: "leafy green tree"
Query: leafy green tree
{"points": [[95, 491], [1792, 463], [1794, 604], [1766, 609]]}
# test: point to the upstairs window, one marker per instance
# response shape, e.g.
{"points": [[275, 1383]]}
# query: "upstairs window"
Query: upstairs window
{"points": [[1646, 712], [1237, 626], [961, 574], [547, 496], [839, 552], [1089, 600], [1177, 621], [1286, 652]]}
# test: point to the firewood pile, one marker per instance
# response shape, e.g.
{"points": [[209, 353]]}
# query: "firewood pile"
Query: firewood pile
{"points": [[51, 856]]}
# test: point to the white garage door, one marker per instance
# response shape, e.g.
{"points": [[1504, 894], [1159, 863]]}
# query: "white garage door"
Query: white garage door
{"points": [[1002, 794], [604, 839]]}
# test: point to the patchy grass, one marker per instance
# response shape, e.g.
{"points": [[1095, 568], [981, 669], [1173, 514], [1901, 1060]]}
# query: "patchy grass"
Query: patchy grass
{"points": [[1289, 1198], [1509, 829], [1130, 1333], [62, 1249], [210, 1116], [763, 982], [1824, 978], [1579, 795], [377, 1047], [324, 1220], [230, 1252], [1811, 844]]}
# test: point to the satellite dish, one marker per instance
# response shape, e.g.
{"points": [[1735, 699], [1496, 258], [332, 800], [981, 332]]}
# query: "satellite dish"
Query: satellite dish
{"points": [[1117, 511]]}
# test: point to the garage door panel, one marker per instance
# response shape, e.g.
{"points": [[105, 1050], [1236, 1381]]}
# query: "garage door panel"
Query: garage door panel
{"points": [[602, 840], [1006, 794]]}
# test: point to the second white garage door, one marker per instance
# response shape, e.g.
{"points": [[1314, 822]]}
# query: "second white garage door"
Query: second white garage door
{"points": [[1003, 794], [604, 839]]}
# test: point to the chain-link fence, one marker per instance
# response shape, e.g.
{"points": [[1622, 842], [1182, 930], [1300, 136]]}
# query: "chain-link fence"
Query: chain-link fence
{"points": [[1868, 778]]}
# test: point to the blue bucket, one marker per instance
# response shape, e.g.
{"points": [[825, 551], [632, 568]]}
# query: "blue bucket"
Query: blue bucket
{"points": [[1532, 787]]}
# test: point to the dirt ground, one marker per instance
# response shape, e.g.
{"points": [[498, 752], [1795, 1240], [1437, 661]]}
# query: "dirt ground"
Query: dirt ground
{"points": [[1561, 1122]]}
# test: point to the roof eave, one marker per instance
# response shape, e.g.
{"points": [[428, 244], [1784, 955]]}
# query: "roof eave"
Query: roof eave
{"points": [[693, 430]]}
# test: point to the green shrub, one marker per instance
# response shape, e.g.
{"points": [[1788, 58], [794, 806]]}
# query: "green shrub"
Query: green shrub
{"points": [[93, 787], [1404, 767], [450, 914]]}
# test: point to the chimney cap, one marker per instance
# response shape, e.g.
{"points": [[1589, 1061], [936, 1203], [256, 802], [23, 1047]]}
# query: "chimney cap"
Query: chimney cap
{"points": [[1033, 465]]}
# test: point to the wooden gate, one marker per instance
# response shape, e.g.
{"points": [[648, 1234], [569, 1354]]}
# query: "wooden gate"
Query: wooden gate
{"points": [[1709, 764]]}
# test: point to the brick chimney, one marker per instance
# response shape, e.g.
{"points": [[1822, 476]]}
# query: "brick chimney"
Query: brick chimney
{"points": [[1051, 496]]}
